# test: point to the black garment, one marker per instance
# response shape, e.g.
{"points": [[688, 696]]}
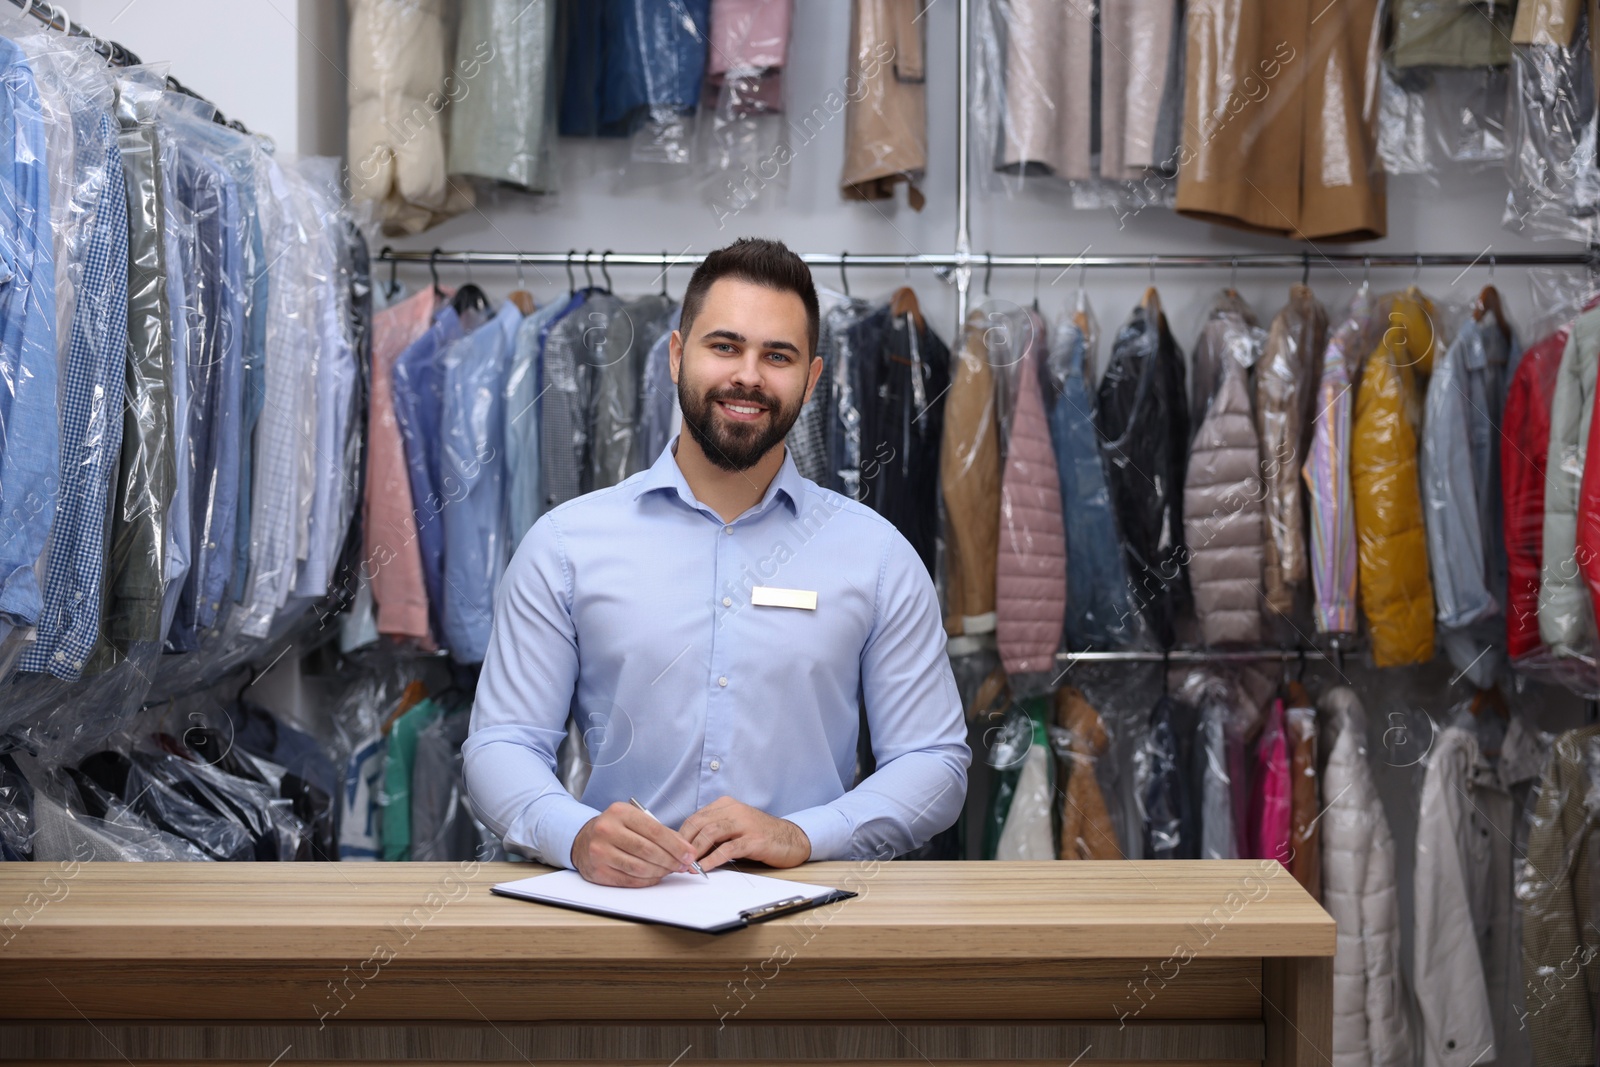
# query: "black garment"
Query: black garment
{"points": [[356, 264], [1171, 831], [16, 813], [309, 780], [108, 780], [1143, 419], [902, 384]]}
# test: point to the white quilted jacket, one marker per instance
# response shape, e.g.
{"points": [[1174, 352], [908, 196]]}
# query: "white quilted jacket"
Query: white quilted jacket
{"points": [[1370, 1027]]}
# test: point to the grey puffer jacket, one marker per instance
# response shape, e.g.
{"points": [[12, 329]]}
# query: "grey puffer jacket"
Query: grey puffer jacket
{"points": [[1222, 515]]}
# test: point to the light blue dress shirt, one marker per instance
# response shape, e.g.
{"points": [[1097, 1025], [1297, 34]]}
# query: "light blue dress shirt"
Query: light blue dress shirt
{"points": [[30, 439], [472, 460], [631, 607]]}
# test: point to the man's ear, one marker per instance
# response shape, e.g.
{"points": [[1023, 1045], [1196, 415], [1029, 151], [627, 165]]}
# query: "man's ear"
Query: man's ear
{"points": [[811, 379], [675, 354]]}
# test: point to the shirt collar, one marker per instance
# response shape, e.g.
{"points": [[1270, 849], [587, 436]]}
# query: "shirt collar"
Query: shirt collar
{"points": [[665, 474]]}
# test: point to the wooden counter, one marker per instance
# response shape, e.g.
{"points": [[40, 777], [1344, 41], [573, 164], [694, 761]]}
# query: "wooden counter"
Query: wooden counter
{"points": [[1198, 962]]}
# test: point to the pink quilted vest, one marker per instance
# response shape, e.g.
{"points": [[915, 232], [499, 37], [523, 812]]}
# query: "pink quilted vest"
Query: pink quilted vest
{"points": [[1031, 574]]}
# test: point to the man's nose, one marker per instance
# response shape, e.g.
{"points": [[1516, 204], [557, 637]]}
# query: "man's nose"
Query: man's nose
{"points": [[748, 372]]}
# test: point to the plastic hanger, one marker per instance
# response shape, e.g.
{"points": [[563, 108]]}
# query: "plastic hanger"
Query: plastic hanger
{"points": [[844, 282], [1036, 265], [572, 279], [394, 280], [469, 297], [603, 272], [1080, 313], [666, 265]]}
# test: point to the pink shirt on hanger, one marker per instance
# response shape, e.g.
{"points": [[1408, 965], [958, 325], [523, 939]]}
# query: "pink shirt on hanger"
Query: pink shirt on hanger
{"points": [[391, 555]]}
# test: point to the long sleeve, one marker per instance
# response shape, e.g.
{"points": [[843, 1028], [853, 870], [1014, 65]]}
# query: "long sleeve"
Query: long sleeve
{"points": [[1560, 1018], [524, 694], [1327, 477], [1450, 496], [1563, 612], [919, 733], [1388, 1028], [1457, 1018]]}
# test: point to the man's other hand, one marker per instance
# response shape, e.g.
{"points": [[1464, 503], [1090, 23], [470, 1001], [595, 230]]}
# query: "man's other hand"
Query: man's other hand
{"points": [[623, 846], [726, 830]]}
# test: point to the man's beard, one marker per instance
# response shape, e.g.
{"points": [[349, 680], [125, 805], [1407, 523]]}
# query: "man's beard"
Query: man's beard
{"points": [[734, 446]]}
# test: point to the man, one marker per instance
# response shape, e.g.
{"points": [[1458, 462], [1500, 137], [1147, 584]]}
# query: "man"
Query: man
{"points": [[712, 623]]}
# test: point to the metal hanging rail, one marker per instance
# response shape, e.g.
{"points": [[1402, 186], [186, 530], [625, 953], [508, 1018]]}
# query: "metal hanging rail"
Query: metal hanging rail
{"points": [[1007, 261], [56, 18], [1202, 655]]}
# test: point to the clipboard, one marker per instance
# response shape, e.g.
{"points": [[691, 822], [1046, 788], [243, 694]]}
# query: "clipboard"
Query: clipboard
{"points": [[722, 901]]}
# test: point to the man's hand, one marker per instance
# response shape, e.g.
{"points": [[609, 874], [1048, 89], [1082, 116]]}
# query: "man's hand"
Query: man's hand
{"points": [[623, 846], [726, 830]]}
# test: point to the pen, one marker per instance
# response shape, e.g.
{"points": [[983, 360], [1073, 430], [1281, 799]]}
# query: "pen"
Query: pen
{"points": [[692, 863]]}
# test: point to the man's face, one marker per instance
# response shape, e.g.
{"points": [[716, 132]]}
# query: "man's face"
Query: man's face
{"points": [[743, 371]]}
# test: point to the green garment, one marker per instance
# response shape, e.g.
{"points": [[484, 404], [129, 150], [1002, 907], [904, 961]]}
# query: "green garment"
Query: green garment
{"points": [[1451, 33], [132, 585], [396, 801]]}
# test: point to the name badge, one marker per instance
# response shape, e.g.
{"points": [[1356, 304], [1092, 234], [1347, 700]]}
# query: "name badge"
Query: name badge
{"points": [[770, 597]]}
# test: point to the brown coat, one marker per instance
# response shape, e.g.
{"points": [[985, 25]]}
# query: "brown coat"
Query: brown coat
{"points": [[969, 474], [1087, 832], [1305, 857], [886, 111], [1289, 144]]}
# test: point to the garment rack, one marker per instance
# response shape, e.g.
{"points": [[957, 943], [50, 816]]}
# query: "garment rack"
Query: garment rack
{"points": [[56, 18], [945, 261]]}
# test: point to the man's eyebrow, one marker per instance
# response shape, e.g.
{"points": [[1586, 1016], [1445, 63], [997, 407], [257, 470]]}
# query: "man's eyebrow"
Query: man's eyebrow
{"points": [[730, 335]]}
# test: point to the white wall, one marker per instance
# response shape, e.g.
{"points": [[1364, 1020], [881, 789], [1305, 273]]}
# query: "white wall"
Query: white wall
{"points": [[278, 66], [250, 59]]}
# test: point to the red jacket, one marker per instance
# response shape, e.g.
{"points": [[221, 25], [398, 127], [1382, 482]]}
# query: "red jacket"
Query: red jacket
{"points": [[1587, 548], [1524, 448]]}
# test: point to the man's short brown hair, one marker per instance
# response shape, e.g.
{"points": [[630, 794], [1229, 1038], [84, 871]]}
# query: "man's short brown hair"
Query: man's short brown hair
{"points": [[758, 261]]}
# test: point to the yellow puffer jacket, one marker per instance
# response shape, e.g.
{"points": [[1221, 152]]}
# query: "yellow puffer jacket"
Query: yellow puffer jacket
{"points": [[1396, 595]]}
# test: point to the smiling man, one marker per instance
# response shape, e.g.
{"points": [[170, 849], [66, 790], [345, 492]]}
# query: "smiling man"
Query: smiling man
{"points": [[713, 623]]}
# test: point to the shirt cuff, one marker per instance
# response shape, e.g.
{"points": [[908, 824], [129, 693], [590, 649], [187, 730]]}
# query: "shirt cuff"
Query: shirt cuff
{"points": [[828, 830], [555, 828]]}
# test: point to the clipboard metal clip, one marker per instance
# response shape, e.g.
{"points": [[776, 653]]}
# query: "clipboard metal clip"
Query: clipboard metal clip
{"points": [[777, 907]]}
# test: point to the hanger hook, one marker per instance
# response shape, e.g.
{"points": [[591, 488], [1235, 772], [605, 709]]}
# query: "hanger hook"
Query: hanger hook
{"points": [[844, 280], [1491, 268], [603, 272], [522, 281], [666, 265], [1305, 268], [466, 265], [988, 272], [588, 275], [1233, 273], [1366, 270], [433, 267], [394, 268], [1152, 269], [1416, 275], [1038, 263], [1083, 274], [572, 279]]}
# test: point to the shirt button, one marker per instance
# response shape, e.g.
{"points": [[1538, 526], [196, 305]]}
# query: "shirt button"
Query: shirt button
{"points": [[716, 765], [727, 601], [727, 529], [723, 680]]}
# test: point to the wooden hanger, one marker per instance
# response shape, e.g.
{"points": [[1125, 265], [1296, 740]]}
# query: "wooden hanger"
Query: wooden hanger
{"points": [[522, 299], [904, 302], [415, 693], [1489, 302], [1491, 699]]}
